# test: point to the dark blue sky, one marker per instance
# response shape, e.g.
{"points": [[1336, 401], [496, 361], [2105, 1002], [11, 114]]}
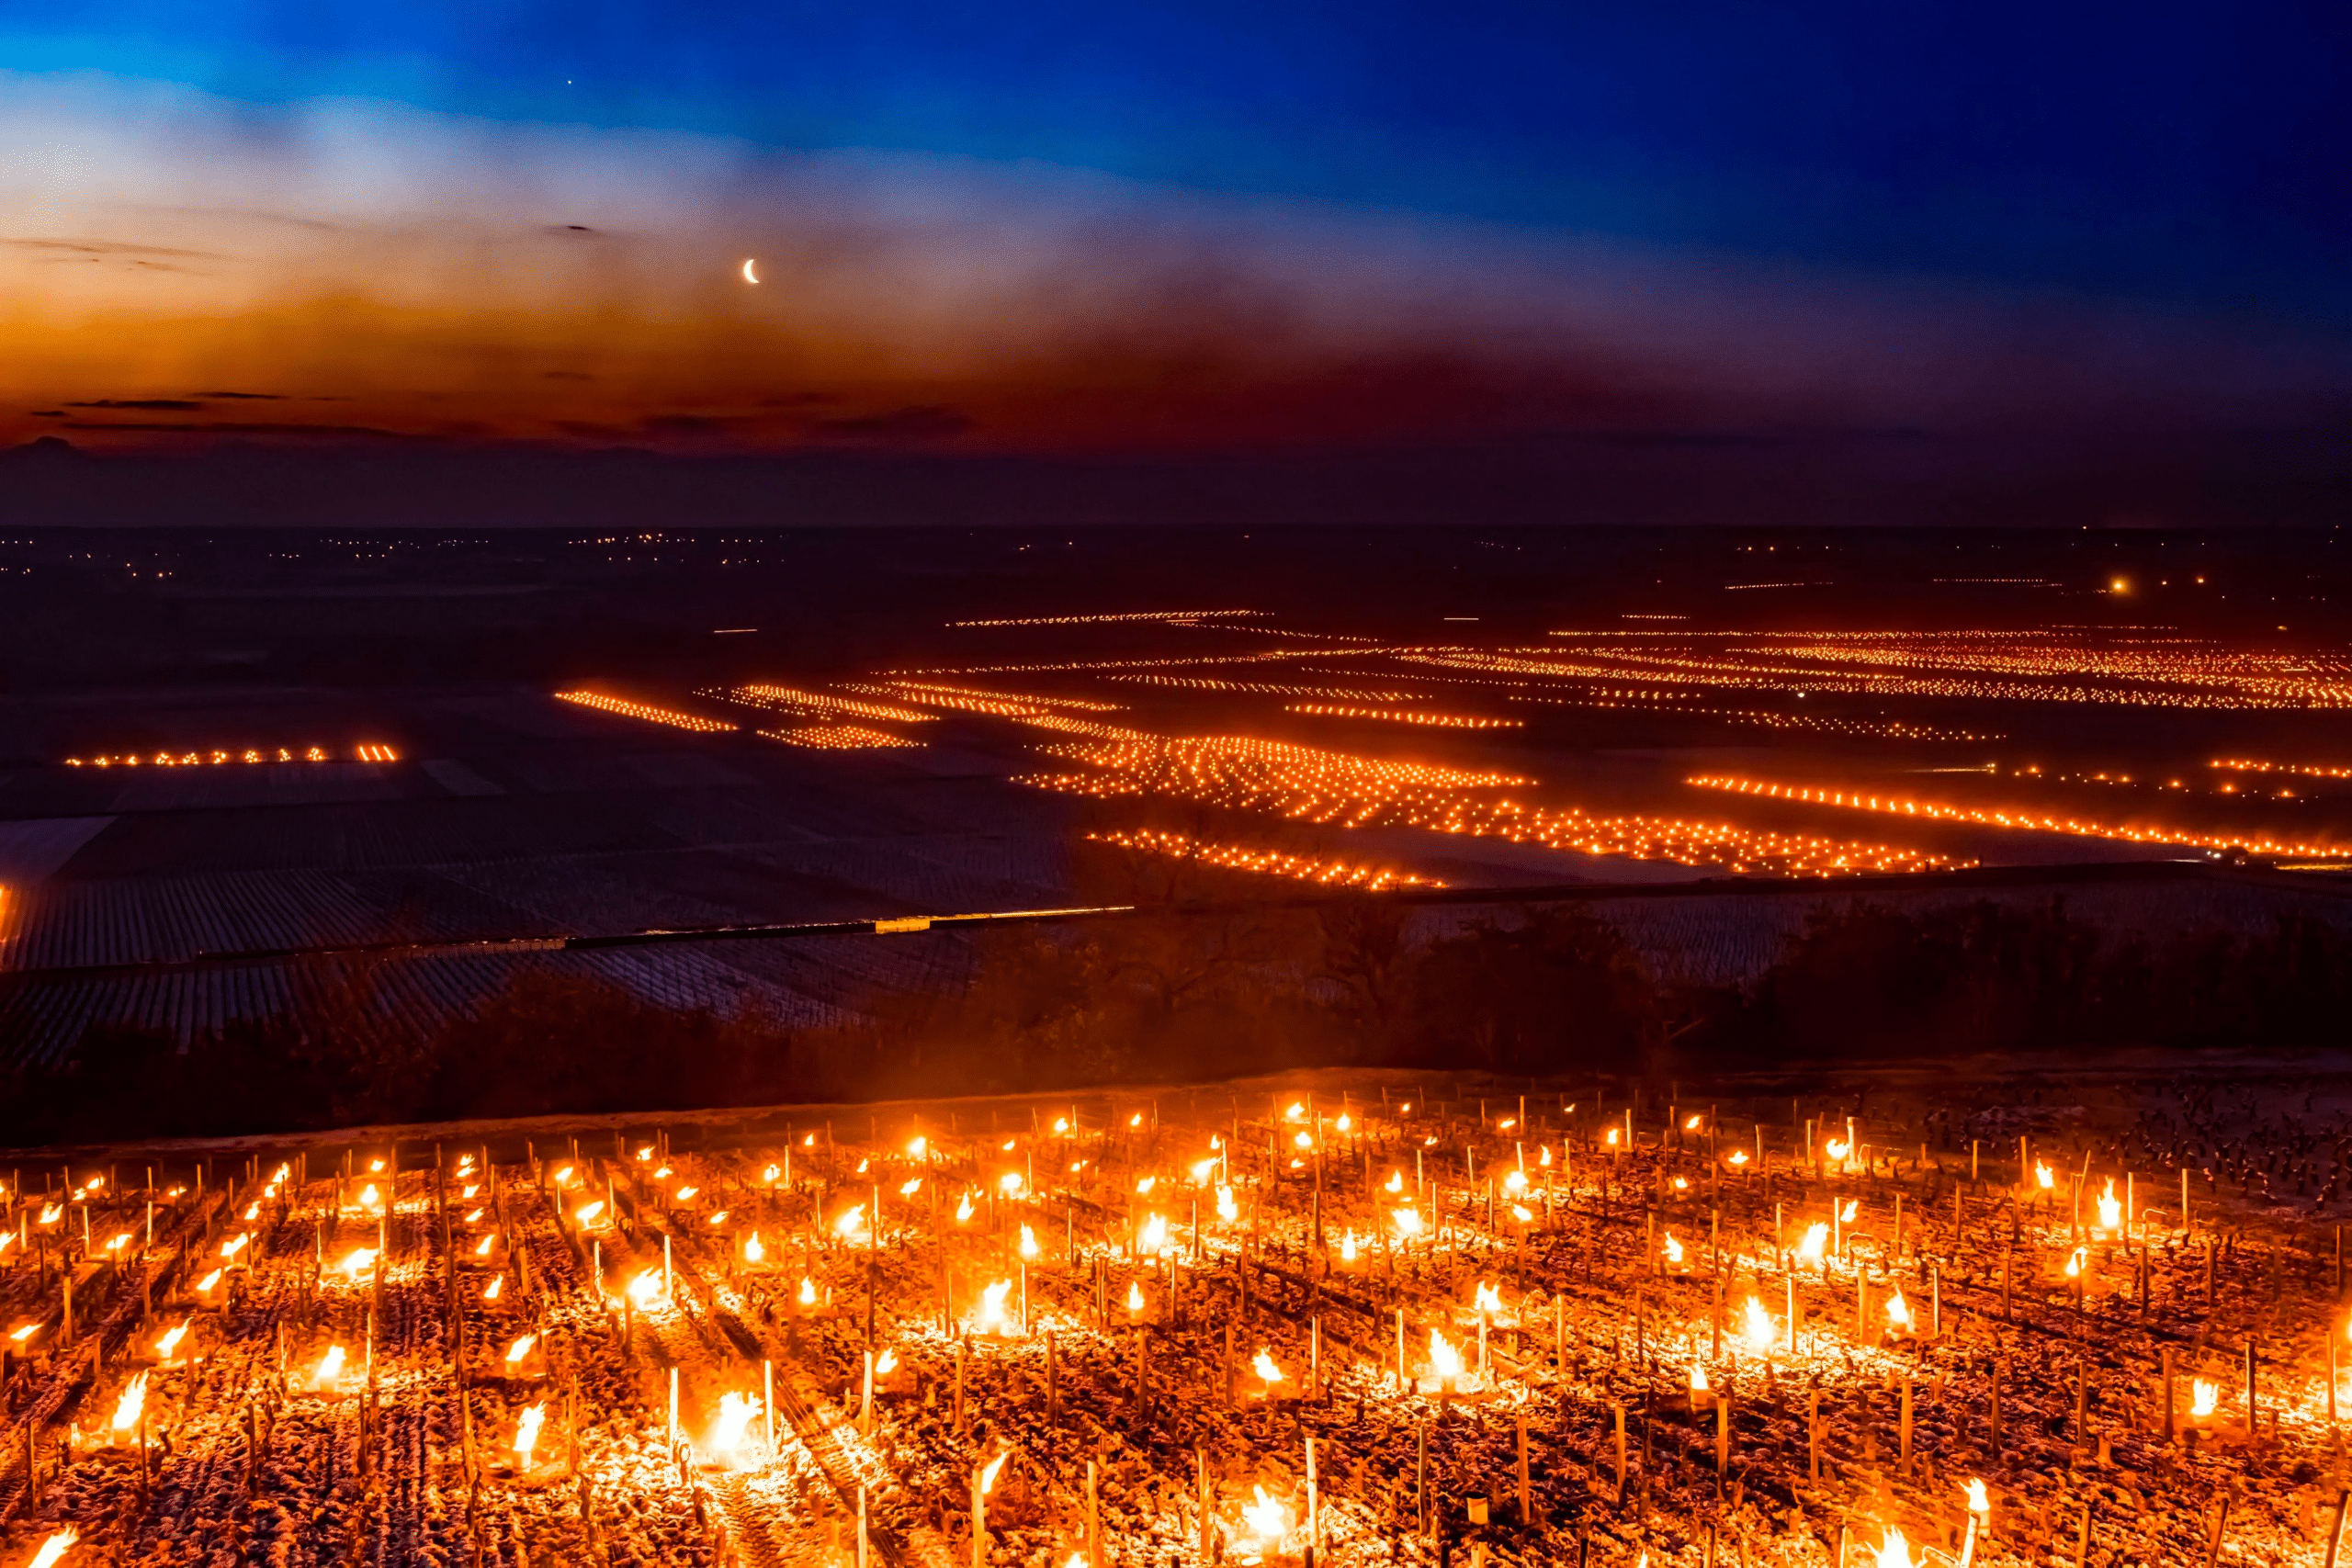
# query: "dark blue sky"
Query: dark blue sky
{"points": [[2197, 153]]}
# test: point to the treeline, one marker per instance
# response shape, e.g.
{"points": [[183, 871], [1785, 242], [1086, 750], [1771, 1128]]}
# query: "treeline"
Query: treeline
{"points": [[1200, 990]]}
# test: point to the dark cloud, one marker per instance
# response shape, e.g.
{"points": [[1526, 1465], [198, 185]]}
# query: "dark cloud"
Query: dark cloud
{"points": [[251, 397], [153, 405], [47, 413], [920, 421], [228, 427], [567, 228], [108, 248]]}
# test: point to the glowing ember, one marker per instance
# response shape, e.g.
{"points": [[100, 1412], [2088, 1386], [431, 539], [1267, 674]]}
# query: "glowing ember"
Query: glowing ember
{"points": [[1756, 1333], [167, 1347], [1268, 1373], [329, 1369], [2111, 1208], [126, 1408], [736, 1414], [527, 1433], [520, 1348]]}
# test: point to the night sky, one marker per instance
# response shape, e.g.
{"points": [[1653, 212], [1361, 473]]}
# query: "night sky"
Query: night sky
{"points": [[2081, 260]]}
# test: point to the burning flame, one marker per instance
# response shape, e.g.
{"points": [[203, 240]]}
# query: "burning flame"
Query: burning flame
{"points": [[1061, 1124], [369, 1198], [1409, 1222], [1515, 1183], [1837, 1148], [2203, 1398], [906, 1189], [1137, 1119], [1979, 1501], [1297, 1110], [1202, 1170], [1266, 1520], [1028, 1242], [1304, 1140], [252, 1212], [497, 1283], [527, 1433], [1758, 1334], [736, 1414], [481, 1249], [1226, 1209], [1845, 1215], [329, 1369], [852, 1224], [1344, 1122], [1134, 1300], [1543, 1155], [1816, 1242], [587, 1212], [1348, 1248], [1147, 1184], [1521, 1213], [992, 1318], [376, 1167], [1445, 1361], [918, 1146], [520, 1348], [1895, 1551], [358, 1261], [54, 1548], [234, 1245], [2111, 1208], [1898, 1312], [2042, 1177], [204, 1286], [772, 1175], [1395, 1181], [1153, 1237], [1611, 1139], [126, 1408], [1487, 1298], [2075, 1261], [886, 1363], [1269, 1373], [1698, 1378], [1682, 1184], [686, 1194], [646, 1290], [1738, 1157], [170, 1342], [1011, 1183], [562, 1177], [1690, 1125], [754, 1250], [808, 1292], [1673, 1249], [987, 1476], [24, 1333], [964, 1208]]}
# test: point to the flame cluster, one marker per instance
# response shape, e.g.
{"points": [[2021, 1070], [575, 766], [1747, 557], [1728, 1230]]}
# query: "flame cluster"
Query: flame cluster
{"points": [[1267, 863], [1407, 715], [220, 756], [646, 711]]}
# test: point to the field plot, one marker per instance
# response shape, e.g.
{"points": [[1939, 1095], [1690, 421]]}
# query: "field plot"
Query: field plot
{"points": [[1378, 1321]]}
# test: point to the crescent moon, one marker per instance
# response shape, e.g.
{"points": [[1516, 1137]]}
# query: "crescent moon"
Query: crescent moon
{"points": [[749, 275]]}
